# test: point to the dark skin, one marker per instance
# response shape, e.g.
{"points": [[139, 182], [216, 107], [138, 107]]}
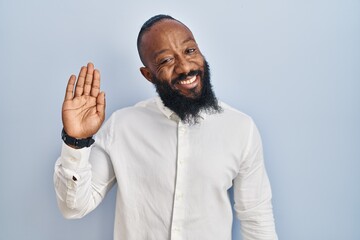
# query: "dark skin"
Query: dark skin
{"points": [[168, 50], [83, 110]]}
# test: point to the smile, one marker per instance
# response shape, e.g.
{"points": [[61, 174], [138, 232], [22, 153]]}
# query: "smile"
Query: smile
{"points": [[188, 84], [189, 81]]}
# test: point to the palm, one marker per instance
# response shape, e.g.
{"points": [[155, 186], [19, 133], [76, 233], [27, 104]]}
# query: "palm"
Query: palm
{"points": [[83, 109]]}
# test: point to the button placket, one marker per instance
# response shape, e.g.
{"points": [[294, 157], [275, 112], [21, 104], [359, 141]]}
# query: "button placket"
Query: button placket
{"points": [[178, 206], [179, 196]]}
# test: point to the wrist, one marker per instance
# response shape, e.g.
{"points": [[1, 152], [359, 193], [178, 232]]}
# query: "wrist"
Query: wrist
{"points": [[76, 143]]}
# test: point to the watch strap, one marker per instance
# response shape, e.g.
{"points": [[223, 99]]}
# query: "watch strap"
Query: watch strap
{"points": [[76, 142]]}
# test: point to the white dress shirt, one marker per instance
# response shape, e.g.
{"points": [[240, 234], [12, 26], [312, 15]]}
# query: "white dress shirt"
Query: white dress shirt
{"points": [[173, 178]]}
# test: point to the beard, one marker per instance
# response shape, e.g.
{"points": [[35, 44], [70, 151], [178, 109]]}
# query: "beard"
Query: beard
{"points": [[189, 108]]}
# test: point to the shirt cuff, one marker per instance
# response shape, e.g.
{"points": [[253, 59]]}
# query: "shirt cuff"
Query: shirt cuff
{"points": [[74, 159]]}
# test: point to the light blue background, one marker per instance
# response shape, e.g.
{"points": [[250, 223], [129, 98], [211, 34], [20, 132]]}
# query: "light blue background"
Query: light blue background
{"points": [[294, 66]]}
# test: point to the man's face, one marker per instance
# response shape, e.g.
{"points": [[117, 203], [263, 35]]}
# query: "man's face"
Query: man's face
{"points": [[171, 55]]}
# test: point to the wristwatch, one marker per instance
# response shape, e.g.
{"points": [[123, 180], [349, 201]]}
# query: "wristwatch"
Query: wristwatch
{"points": [[76, 142]]}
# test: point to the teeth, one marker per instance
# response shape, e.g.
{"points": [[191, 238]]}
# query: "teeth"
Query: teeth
{"points": [[191, 80]]}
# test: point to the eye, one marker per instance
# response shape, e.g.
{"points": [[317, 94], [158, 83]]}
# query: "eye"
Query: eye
{"points": [[165, 60], [190, 50]]}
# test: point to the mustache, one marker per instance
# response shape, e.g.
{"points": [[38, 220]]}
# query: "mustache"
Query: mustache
{"points": [[183, 76]]}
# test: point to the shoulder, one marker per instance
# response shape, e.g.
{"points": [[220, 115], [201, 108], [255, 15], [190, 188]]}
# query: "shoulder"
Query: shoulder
{"points": [[230, 121], [140, 109], [234, 115], [128, 118]]}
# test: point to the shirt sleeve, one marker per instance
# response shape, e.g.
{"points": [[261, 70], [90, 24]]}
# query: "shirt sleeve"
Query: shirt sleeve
{"points": [[252, 193], [82, 178]]}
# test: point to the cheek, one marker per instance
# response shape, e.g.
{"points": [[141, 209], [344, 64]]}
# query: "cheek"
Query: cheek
{"points": [[197, 62], [200, 62], [164, 74]]}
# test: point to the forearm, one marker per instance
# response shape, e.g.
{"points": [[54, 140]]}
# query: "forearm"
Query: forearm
{"points": [[253, 206], [77, 190], [258, 223]]}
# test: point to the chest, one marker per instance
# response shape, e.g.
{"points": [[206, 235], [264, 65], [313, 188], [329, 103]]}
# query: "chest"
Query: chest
{"points": [[160, 152]]}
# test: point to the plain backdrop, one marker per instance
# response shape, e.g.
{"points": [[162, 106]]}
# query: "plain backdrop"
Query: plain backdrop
{"points": [[294, 66]]}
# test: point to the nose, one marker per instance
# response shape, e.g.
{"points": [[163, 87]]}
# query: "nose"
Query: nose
{"points": [[182, 66]]}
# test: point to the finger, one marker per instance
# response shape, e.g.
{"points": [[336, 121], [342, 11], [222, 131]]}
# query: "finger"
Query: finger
{"points": [[80, 82], [95, 87], [88, 78], [69, 94], [100, 105]]}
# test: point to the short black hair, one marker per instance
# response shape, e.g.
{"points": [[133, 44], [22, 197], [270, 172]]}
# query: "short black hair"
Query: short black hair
{"points": [[146, 27]]}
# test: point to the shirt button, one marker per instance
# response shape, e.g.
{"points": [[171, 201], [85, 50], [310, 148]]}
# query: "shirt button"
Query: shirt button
{"points": [[179, 196], [70, 184]]}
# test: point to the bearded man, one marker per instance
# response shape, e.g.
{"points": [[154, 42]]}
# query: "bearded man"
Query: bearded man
{"points": [[173, 157]]}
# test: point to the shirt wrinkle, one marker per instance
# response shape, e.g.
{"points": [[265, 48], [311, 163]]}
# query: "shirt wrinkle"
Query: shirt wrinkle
{"points": [[170, 175]]}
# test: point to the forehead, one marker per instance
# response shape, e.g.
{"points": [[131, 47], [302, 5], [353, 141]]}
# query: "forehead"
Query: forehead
{"points": [[164, 34]]}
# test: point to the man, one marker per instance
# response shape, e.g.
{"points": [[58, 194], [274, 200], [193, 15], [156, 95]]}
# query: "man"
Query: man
{"points": [[174, 157]]}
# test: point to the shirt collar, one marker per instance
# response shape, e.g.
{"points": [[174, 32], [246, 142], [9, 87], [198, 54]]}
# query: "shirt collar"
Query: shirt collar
{"points": [[165, 110]]}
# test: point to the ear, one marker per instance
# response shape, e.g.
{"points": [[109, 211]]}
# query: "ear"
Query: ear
{"points": [[146, 73]]}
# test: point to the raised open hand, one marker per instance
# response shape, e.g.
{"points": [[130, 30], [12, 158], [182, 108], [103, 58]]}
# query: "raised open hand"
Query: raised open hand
{"points": [[83, 110]]}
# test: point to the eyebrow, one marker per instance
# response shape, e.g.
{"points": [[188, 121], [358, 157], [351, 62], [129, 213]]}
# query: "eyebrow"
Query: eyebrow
{"points": [[188, 40], [164, 50]]}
